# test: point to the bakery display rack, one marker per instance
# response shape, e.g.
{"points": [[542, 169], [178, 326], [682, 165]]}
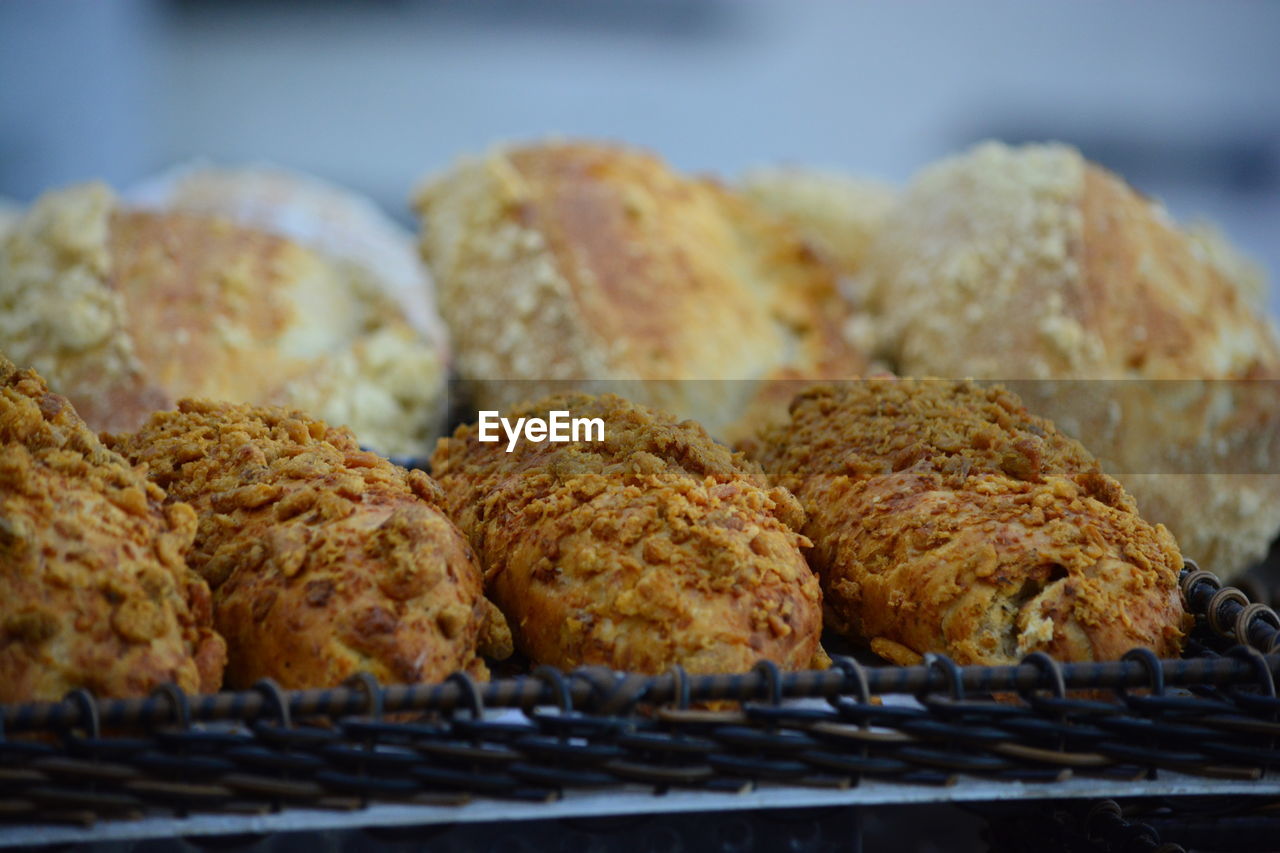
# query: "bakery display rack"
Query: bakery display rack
{"points": [[1057, 740]]}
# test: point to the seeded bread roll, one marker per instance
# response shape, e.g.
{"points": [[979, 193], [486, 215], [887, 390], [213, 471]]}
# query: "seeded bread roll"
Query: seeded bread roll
{"points": [[127, 310], [95, 591], [1031, 263], [580, 261], [946, 518], [325, 560], [652, 547]]}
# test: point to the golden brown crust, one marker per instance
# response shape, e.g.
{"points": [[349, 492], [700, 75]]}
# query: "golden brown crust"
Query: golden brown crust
{"points": [[1031, 263], [1103, 283], [94, 587], [653, 547], [1161, 310], [340, 224], [946, 518], [325, 560], [126, 311], [579, 261], [163, 268]]}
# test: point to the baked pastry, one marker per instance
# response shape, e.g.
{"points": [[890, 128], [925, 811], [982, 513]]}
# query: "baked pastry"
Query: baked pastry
{"points": [[651, 547], [95, 591], [126, 310], [324, 559], [838, 214], [946, 518], [579, 261], [1031, 263], [325, 218]]}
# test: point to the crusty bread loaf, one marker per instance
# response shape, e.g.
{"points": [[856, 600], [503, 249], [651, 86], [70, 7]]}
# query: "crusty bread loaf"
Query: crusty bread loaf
{"points": [[1032, 263], [650, 547], [324, 560], [947, 518], [127, 310], [324, 217], [95, 590], [578, 261]]}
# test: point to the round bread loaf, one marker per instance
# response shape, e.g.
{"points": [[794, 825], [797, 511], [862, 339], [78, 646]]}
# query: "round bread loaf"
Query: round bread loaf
{"points": [[95, 590], [1033, 264], [324, 559], [324, 217], [650, 547], [127, 310], [947, 518], [579, 261]]}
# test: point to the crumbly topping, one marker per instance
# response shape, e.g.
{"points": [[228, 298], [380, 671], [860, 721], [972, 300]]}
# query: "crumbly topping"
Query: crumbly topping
{"points": [[56, 314], [655, 546], [94, 586], [947, 518], [974, 241], [324, 559]]}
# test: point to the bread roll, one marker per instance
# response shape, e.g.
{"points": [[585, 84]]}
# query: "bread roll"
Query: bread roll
{"points": [[1031, 263], [127, 310], [580, 261], [651, 547], [325, 218], [95, 591], [839, 214], [946, 518], [325, 560]]}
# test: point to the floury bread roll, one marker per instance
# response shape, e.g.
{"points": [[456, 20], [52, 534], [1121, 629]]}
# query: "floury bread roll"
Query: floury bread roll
{"points": [[1033, 264], [126, 310], [649, 547], [325, 560], [582, 261], [946, 518], [95, 590]]}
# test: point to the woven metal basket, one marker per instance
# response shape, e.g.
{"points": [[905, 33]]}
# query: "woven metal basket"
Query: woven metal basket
{"points": [[595, 741]]}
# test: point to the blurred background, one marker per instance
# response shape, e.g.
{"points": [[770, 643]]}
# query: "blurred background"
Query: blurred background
{"points": [[1180, 96]]}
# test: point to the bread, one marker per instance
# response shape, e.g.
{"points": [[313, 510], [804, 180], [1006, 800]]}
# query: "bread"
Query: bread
{"points": [[838, 214], [946, 518], [581, 261], [1031, 263], [324, 559], [128, 310], [652, 547], [95, 591], [326, 218]]}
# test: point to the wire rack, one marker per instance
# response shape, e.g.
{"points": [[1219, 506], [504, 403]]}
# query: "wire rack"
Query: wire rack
{"points": [[1211, 717]]}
